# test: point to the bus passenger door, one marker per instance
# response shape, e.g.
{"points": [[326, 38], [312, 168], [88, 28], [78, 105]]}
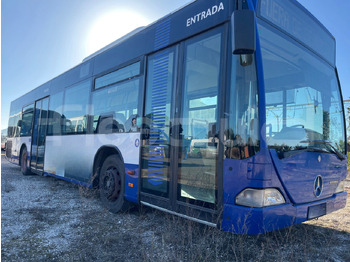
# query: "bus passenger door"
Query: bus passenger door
{"points": [[156, 167], [179, 161], [39, 134], [198, 117]]}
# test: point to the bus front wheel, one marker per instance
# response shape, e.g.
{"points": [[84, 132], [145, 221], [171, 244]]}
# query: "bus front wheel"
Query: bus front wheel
{"points": [[111, 184], [24, 167]]}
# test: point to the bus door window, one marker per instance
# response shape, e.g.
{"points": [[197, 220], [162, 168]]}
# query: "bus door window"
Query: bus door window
{"points": [[156, 127], [39, 133], [42, 133], [197, 172]]}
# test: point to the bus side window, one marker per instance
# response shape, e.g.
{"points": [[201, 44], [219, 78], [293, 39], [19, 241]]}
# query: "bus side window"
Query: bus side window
{"points": [[76, 108], [242, 133], [113, 105], [27, 119]]}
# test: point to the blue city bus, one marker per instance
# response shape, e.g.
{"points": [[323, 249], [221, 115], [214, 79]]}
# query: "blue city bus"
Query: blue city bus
{"points": [[226, 112]]}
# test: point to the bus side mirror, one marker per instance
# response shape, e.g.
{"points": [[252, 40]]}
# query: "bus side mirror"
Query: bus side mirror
{"points": [[243, 32]]}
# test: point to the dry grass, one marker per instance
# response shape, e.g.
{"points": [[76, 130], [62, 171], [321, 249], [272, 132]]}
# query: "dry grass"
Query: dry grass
{"points": [[45, 219], [325, 239]]}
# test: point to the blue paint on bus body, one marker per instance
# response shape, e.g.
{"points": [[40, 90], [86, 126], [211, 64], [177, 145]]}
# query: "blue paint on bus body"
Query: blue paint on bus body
{"points": [[245, 220], [131, 182], [300, 198]]}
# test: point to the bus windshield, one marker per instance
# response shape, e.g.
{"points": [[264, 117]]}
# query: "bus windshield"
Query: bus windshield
{"points": [[303, 101]]}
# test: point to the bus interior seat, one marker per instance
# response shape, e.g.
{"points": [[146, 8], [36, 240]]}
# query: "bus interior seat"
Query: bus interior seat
{"points": [[107, 124], [120, 118]]}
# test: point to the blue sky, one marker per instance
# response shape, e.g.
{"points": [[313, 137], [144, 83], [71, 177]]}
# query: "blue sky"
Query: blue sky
{"points": [[41, 39]]}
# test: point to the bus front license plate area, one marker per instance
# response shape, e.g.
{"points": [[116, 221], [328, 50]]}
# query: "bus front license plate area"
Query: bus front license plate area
{"points": [[317, 211]]}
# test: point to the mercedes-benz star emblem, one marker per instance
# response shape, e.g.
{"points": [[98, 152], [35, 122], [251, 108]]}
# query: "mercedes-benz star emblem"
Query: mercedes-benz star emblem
{"points": [[318, 186]]}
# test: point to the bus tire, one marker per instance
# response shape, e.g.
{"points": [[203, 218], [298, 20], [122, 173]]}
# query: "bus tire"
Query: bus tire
{"points": [[24, 167], [111, 185]]}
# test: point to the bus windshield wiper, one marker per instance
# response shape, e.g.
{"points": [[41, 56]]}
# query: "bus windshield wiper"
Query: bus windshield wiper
{"points": [[330, 148], [301, 149]]}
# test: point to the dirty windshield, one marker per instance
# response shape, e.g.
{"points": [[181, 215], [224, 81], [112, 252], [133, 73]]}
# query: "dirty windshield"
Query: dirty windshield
{"points": [[303, 103]]}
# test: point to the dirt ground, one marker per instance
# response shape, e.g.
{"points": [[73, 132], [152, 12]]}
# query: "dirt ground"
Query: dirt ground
{"points": [[46, 219]]}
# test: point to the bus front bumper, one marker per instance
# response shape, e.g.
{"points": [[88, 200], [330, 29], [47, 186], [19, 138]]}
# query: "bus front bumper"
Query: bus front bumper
{"points": [[252, 221]]}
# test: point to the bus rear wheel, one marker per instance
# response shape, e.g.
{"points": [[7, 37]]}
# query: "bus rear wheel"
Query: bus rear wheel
{"points": [[24, 167], [111, 184]]}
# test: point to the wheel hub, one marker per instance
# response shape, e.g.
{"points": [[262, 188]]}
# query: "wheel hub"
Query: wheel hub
{"points": [[112, 183]]}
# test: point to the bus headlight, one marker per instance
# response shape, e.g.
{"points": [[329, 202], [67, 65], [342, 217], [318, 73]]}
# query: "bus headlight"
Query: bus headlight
{"points": [[251, 197], [340, 187]]}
